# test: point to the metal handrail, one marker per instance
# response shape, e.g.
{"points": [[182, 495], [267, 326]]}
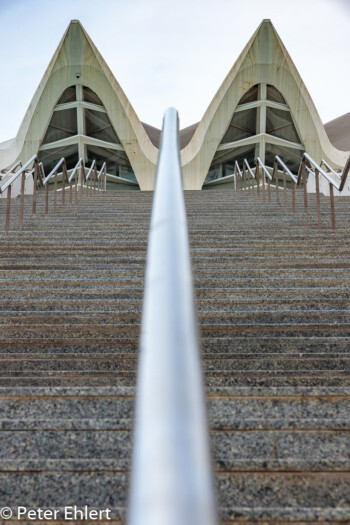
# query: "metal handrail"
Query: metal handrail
{"points": [[262, 165], [38, 174], [246, 163], [296, 180], [8, 186], [17, 174], [78, 164], [238, 169], [278, 161], [337, 185], [61, 162], [329, 168], [171, 479], [103, 168], [11, 170], [90, 170]]}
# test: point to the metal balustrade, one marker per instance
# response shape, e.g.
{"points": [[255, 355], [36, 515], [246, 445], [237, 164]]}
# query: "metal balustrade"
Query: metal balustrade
{"points": [[335, 180], [171, 482], [94, 181]]}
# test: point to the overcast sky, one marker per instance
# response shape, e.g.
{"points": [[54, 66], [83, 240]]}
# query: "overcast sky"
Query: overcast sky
{"points": [[173, 52]]}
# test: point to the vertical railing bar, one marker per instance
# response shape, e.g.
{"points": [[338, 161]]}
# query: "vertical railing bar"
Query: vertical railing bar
{"points": [[331, 196], [64, 177], [55, 193], [47, 197], [21, 209], [276, 182], [35, 183], [318, 198], [8, 209], [82, 179], [76, 186], [305, 187]]}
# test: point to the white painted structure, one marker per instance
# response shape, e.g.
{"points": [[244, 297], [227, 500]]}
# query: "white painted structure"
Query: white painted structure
{"points": [[262, 108]]}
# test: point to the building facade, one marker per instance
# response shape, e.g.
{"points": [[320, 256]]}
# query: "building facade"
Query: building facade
{"points": [[261, 109]]}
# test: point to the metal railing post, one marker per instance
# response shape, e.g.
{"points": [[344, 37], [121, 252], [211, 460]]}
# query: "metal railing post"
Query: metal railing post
{"points": [[36, 175], [55, 193], [318, 202], [331, 197], [8, 209], [64, 176], [303, 168], [21, 209]]}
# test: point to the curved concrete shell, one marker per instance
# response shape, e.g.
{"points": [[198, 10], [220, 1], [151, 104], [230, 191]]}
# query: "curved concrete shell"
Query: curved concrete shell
{"points": [[78, 62], [263, 60]]}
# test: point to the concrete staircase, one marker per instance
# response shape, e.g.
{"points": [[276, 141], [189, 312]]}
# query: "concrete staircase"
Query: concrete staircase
{"points": [[273, 300]]}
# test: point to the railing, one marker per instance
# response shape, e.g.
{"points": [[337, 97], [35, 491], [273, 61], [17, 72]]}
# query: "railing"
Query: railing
{"points": [[95, 181], [337, 184], [171, 481], [8, 186], [295, 180]]}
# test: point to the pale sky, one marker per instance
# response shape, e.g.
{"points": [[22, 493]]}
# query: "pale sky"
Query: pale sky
{"points": [[173, 52]]}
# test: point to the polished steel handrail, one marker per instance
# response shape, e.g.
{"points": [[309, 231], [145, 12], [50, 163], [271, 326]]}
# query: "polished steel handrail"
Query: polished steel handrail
{"points": [[265, 170], [279, 162], [254, 176], [38, 173], [74, 175], [238, 169], [79, 164], [17, 174], [61, 162], [103, 171], [246, 164], [329, 168], [239, 173], [8, 186], [91, 169], [337, 185], [54, 173], [303, 170], [11, 170], [171, 480]]}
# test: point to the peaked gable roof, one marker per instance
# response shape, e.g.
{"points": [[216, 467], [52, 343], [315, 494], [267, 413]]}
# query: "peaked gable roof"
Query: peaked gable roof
{"points": [[77, 61], [263, 60]]}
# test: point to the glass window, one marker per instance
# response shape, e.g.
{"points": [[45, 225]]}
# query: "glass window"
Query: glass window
{"points": [[117, 161], [279, 123], [241, 126], [63, 124], [250, 96], [68, 95], [290, 156], [224, 161], [98, 125], [274, 95], [50, 157], [90, 96]]}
